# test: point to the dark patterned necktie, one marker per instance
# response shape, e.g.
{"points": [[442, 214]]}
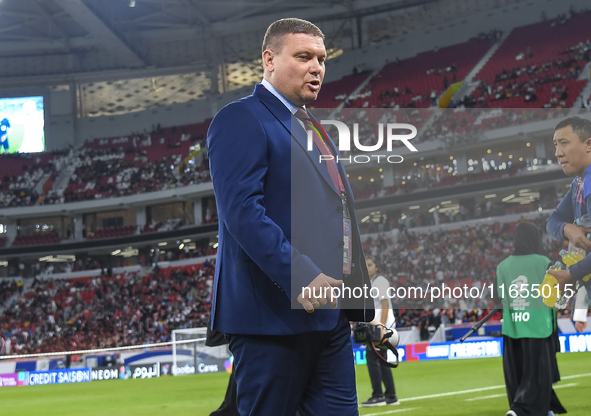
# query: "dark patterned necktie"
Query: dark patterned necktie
{"points": [[323, 148]]}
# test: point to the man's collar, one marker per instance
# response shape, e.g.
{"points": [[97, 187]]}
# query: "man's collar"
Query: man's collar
{"points": [[291, 107]]}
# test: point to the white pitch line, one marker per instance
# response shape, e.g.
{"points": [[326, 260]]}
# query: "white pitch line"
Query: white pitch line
{"points": [[575, 376], [565, 385], [453, 393], [493, 396], [392, 411]]}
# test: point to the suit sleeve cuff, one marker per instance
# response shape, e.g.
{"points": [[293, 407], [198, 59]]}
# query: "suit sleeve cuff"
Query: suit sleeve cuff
{"points": [[561, 229]]}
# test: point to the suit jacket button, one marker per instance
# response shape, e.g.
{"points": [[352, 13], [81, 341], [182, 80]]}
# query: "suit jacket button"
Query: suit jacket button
{"points": [[340, 209], [341, 244]]}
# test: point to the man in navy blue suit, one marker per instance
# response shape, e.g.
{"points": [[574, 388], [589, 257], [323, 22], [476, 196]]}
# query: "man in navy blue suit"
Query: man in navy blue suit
{"points": [[286, 222]]}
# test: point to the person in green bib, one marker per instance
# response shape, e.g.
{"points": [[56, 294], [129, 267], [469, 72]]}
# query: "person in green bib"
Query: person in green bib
{"points": [[529, 328]]}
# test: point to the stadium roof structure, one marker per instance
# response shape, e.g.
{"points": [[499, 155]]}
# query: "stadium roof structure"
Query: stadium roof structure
{"points": [[79, 36], [215, 45]]}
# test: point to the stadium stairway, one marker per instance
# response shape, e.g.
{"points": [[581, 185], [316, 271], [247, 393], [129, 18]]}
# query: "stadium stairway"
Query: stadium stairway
{"points": [[144, 271], [469, 83], [357, 90], [62, 181], [466, 89], [39, 187], [586, 93], [432, 118]]}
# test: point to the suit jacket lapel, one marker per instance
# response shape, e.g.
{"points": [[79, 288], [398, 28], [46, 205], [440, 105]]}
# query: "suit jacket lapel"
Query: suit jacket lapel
{"points": [[282, 113]]}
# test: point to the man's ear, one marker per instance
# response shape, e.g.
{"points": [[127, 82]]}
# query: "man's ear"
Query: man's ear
{"points": [[268, 60], [588, 145]]}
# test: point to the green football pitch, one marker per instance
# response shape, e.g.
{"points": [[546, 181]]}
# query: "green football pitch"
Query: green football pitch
{"points": [[442, 388]]}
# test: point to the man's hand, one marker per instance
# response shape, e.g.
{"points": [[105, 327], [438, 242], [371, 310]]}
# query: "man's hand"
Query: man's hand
{"points": [[380, 325], [382, 332], [580, 326], [321, 285], [578, 236], [563, 277]]}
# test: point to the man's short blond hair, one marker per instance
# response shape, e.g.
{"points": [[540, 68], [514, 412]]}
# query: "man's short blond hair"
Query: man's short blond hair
{"points": [[277, 31]]}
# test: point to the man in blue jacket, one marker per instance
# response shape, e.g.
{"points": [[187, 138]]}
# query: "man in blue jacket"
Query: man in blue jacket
{"points": [[286, 222], [572, 140]]}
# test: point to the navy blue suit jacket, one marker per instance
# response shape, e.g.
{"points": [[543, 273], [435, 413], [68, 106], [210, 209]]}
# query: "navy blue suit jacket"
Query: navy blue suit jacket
{"points": [[280, 223]]}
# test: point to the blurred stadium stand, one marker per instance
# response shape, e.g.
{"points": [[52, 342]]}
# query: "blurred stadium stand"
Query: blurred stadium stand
{"points": [[122, 183]]}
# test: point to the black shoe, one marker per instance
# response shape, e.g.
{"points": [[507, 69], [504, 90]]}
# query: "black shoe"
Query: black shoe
{"points": [[394, 400], [374, 401]]}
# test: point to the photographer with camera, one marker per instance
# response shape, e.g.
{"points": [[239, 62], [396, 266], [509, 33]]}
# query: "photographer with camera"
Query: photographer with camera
{"points": [[379, 372]]}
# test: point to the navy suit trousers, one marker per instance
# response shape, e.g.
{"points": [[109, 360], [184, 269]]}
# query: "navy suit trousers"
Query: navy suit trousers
{"points": [[312, 373]]}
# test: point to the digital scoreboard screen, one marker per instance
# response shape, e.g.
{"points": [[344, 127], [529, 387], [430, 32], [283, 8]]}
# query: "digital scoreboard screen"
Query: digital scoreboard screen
{"points": [[22, 125]]}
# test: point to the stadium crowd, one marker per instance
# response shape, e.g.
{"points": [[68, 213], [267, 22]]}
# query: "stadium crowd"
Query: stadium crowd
{"points": [[418, 179], [460, 126], [524, 64], [21, 173], [538, 65], [75, 314], [467, 255], [102, 312], [105, 174]]}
